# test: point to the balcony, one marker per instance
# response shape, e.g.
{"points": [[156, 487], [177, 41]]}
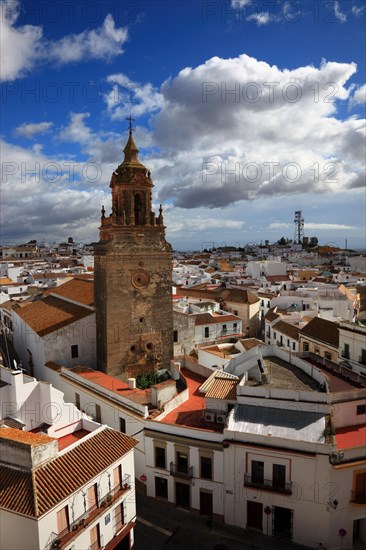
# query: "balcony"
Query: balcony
{"points": [[60, 540], [268, 484], [358, 498], [181, 470]]}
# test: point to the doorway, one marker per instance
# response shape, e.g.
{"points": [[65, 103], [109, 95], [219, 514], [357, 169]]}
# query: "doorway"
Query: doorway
{"points": [[206, 505], [182, 495], [255, 515], [282, 519]]}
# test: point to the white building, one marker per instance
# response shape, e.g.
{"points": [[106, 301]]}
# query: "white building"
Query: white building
{"points": [[67, 481], [352, 346]]}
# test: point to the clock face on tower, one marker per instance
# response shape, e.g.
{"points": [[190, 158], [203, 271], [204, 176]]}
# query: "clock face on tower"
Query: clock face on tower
{"points": [[140, 278]]}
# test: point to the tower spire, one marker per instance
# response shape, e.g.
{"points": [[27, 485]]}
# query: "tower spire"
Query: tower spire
{"points": [[131, 150]]}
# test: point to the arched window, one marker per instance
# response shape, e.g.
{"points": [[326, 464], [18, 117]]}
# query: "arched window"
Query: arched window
{"points": [[138, 208]]}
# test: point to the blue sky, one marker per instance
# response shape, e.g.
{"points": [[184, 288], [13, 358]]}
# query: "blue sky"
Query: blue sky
{"points": [[245, 112]]}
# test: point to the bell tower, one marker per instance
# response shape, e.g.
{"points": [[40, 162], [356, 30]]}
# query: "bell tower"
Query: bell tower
{"points": [[132, 270]]}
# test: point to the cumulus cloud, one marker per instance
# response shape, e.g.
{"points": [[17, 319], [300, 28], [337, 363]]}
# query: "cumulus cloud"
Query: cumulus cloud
{"points": [[104, 42], [126, 95], [261, 18], [358, 11], [358, 97], [29, 130], [249, 129], [24, 47]]}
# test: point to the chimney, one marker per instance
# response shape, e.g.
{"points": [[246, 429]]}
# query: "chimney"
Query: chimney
{"points": [[132, 383]]}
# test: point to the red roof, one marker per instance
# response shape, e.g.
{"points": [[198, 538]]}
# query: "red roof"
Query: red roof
{"points": [[191, 412], [352, 436]]}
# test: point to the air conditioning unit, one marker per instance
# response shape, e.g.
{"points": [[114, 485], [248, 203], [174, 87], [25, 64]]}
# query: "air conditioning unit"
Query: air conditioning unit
{"points": [[210, 417], [336, 457], [221, 418]]}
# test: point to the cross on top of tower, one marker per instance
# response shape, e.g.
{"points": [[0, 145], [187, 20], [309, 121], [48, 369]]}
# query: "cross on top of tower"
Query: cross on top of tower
{"points": [[130, 120]]}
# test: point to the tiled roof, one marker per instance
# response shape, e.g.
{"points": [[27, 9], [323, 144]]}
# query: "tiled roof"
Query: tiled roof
{"points": [[222, 375], [322, 330], [50, 314], [208, 319], [271, 315], [13, 423], [277, 278], [223, 389], [62, 476], [250, 343], [289, 330], [239, 295], [78, 290], [27, 438], [16, 490]]}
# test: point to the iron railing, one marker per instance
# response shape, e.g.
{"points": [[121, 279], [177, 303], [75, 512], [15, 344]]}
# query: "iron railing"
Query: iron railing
{"points": [[269, 484], [180, 470]]}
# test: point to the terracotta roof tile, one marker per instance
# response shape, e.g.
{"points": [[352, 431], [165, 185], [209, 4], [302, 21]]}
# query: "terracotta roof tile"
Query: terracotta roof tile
{"points": [[289, 330], [271, 315], [208, 319], [223, 389], [79, 290], [16, 490], [322, 330], [50, 314]]}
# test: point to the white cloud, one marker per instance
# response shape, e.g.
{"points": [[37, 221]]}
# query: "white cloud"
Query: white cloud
{"points": [[359, 97], [104, 42], [20, 47], [278, 225], [29, 130], [357, 12], [25, 47], [261, 18], [237, 4], [222, 147], [127, 94], [76, 131], [341, 17], [328, 226]]}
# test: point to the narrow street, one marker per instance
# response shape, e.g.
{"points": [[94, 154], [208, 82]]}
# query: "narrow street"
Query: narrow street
{"points": [[161, 526]]}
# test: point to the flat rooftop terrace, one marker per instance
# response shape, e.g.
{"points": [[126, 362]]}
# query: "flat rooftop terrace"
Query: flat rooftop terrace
{"points": [[285, 376]]}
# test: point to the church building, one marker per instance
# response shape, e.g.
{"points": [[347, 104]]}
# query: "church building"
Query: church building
{"points": [[133, 276]]}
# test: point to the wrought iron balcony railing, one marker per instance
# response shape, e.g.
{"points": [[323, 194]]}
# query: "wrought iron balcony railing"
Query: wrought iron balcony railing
{"points": [[179, 470], [268, 484]]}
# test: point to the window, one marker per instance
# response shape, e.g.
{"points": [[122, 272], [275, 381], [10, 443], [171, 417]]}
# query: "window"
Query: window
{"points": [[293, 346], [305, 346], [327, 355], [74, 351], [98, 414], [236, 312], [63, 520], [257, 471], [262, 303], [175, 336], [361, 409], [274, 336], [317, 351], [345, 353], [363, 357], [207, 332], [224, 328], [206, 467], [122, 425], [288, 343], [278, 476], [235, 327], [77, 400], [160, 461], [359, 487]]}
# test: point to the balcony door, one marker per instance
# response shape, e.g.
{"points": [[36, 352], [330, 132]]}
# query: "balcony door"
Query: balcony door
{"points": [[92, 497], [117, 478], [119, 519], [255, 515], [258, 472], [63, 520], [95, 537], [279, 476]]}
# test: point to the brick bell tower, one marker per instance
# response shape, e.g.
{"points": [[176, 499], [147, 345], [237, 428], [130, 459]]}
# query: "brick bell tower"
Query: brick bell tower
{"points": [[133, 281]]}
